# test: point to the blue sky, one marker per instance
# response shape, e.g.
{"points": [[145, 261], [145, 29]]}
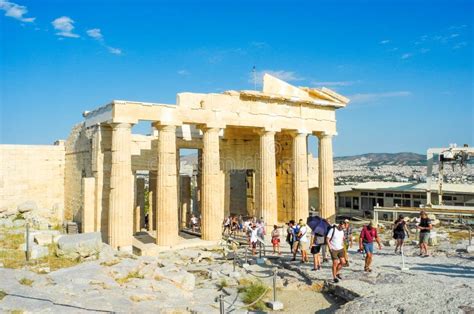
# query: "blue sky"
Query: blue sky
{"points": [[406, 65]]}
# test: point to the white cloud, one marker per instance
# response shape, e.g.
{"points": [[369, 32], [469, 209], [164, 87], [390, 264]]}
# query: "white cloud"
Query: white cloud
{"points": [[385, 41], [64, 25], [373, 97], [287, 76], [15, 11], [424, 50], [259, 44], [460, 45], [95, 33], [334, 83], [115, 51], [406, 55], [183, 72]]}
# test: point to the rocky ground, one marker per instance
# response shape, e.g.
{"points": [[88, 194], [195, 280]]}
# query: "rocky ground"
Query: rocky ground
{"points": [[91, 277]]}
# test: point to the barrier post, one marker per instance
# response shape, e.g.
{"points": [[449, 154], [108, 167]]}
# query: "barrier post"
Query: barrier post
{"points": [[27, 242], [221, 305]]}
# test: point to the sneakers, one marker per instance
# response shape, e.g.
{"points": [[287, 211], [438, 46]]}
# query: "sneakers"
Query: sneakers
{"points": [[336, 280], [339, 277]]}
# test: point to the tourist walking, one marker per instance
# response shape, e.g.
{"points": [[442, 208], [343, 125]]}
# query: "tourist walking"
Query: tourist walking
{"points": [[400, 230], [194, 223], [290, 234], [254, 238], [425, 227], [226, 225], [335, 241], [317, 242], [303, 242], [366, 243], [276, 240], [347, 240], [296, 231]]}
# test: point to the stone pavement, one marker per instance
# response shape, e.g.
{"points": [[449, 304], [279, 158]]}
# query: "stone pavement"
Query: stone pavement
{"points": [[443, 282]]}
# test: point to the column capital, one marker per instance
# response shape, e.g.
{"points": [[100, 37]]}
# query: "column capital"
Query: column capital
{"points": [[161, 125], [210, 127], [265, 131], [325, 134], [121, 125], [295, 133]]}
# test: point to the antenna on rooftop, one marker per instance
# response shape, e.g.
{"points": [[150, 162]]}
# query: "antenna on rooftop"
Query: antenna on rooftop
{"points": [[254, 70]]}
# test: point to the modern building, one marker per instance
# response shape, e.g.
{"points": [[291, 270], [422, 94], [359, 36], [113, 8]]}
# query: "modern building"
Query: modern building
{"points": [[359, 200]]}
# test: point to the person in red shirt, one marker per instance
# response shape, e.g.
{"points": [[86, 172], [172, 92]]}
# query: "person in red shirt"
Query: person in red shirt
{"points": [[366, 242]]}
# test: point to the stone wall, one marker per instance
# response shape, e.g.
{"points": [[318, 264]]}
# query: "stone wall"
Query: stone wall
{"points": [[32, 172], [78, 162]]}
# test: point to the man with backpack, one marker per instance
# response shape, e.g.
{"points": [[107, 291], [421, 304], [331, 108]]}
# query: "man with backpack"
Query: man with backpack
{"points": [[335, 241], [366, 242]]}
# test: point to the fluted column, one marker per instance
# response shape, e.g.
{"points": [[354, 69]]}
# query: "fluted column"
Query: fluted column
{"points": [[212, 191], [120, 223], [300, 176], [326, 177], [166, 187], [267, 191]]}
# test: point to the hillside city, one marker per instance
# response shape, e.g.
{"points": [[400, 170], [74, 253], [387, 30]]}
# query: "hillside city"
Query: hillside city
{"points": [[362, 169]]}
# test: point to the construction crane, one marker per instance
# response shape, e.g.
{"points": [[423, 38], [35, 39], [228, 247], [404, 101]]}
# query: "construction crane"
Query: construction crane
{"points": [[453, 156]]}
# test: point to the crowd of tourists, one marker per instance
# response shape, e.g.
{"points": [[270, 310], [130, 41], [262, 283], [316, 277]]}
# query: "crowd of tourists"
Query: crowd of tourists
{"points": [[339, 238], [334, 242]]}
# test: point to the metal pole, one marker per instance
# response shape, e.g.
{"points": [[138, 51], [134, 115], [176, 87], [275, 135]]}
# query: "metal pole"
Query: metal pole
{"points": [[233, 262], [27, 244], [470, 236], [274, 285], [221, 304], [246, 251], [260, 250]]}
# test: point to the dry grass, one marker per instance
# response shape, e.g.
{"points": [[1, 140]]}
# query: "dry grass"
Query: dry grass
{"points": [[457, 236], [12, 257], [110, 263], [26, 282], [2, 294], [252, 292], [130, 276], [11, 241]]}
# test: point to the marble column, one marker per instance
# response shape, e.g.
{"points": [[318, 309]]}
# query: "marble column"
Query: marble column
{"points": [[120, 222], [166, 187], [300, 176], [212, 192], [267, 190], [327, 207]]}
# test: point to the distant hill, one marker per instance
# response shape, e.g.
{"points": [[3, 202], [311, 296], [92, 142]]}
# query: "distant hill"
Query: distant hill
{"points": [[378, 159]]}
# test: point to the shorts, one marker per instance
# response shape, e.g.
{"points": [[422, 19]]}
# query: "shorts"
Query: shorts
{"points": [[275, 241], [399, 235], [337, 254], [316, 249], [368, 247], [254, 245], [302, 245], [424, 237]]}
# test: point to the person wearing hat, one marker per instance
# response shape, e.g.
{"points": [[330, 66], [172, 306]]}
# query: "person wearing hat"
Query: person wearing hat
{"points": [[347, 240], [366, 242]]}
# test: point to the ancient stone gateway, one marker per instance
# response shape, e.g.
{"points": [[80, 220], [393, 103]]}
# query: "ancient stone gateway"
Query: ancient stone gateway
{"points": [[259, 138]]}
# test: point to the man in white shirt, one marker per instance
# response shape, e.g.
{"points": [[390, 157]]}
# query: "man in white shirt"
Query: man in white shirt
{"points": [[254, 239], [335, 241]]}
